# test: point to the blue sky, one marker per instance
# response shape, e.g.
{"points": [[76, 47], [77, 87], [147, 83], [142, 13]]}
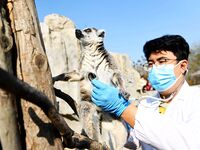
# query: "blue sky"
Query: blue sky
{"points": [[130, 23]]}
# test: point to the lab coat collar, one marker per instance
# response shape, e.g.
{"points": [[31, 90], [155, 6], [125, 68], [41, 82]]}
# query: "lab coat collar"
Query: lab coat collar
{"points": [[181, 93], [150, 102]]}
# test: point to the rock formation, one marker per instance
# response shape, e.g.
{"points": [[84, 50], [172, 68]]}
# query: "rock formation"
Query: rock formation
{"points": [[63, 52]]}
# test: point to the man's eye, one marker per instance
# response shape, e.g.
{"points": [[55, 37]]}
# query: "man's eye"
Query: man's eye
{"points": [[162, 61], [150, 64]]}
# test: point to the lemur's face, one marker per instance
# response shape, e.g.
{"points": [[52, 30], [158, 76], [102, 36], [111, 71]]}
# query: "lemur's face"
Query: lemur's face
{"points": [[90, 36]]}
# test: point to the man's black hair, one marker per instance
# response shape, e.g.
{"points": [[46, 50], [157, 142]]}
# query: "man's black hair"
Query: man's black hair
{"points": [[174, 43]]}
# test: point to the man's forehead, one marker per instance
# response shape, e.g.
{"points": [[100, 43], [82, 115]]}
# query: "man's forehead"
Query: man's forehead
{"points": [[161, 53]]}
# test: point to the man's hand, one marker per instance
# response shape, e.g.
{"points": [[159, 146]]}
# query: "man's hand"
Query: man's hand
{"points": [[108, 98]]}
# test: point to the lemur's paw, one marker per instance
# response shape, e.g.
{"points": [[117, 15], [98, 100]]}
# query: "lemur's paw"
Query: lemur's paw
{"points": [[61, 77]]}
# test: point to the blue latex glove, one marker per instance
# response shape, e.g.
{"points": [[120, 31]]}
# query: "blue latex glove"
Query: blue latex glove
{"points": [[108, 98]]}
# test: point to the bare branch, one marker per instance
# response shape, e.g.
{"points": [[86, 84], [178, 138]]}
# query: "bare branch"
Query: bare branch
{"points": [[0, 146], [71, 139]]}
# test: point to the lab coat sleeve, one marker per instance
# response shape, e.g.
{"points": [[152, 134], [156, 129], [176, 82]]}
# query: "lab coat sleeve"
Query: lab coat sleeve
{"points": [[162, 132]]}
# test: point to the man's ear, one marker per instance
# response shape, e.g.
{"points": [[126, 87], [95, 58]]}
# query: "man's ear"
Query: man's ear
{"points": [[184, 66]]}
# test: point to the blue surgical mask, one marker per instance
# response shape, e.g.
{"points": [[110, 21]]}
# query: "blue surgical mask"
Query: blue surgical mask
{"points": [[162, 77]]}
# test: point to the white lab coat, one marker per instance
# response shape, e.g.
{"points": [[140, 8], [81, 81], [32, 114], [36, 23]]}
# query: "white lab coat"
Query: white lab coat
{"points": [[177, 129]]}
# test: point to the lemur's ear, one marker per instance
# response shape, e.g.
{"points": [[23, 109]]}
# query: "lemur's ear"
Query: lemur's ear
{"points": [[101, 33]]}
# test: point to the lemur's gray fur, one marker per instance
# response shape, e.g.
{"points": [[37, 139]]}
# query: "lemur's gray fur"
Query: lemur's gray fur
{"points": [[6, 40], [95, 60]]}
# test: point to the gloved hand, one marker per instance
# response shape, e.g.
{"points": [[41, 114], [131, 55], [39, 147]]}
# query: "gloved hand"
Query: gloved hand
{"points": [[108, 98]]}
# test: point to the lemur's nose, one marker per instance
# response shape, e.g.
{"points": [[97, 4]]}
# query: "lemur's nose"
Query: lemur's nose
{"points": [[78, 34]]}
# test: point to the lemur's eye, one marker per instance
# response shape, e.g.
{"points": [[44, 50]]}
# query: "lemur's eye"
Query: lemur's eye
{"points": [[88, 30]]}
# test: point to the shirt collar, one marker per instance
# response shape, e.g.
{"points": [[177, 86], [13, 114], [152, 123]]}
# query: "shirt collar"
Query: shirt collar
{"points": [[151, 102], [181, 93]]}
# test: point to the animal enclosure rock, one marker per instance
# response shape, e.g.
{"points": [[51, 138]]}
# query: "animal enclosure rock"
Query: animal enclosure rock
{"points": [[63, 52]]}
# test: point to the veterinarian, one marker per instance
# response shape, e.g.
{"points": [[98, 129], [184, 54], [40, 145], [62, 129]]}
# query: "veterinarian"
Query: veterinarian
{"points": [[169, 120]]}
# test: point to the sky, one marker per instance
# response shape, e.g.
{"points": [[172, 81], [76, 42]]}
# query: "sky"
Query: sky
{"points": [[128, 24]]}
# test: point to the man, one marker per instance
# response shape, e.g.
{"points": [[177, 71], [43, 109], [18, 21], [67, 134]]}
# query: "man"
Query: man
{"points": [[169, 120]]}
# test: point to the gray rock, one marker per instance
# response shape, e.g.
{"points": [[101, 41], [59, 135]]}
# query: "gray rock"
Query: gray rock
{"points": [[63, 52]]}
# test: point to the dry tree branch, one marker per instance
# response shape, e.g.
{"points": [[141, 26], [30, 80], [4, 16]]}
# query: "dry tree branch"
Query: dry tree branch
{"points": [[0, 145], [23, 90]]}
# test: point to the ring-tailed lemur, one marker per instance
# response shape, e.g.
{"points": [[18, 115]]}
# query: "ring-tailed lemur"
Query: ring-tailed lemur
{"points": [[95, 60]]}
